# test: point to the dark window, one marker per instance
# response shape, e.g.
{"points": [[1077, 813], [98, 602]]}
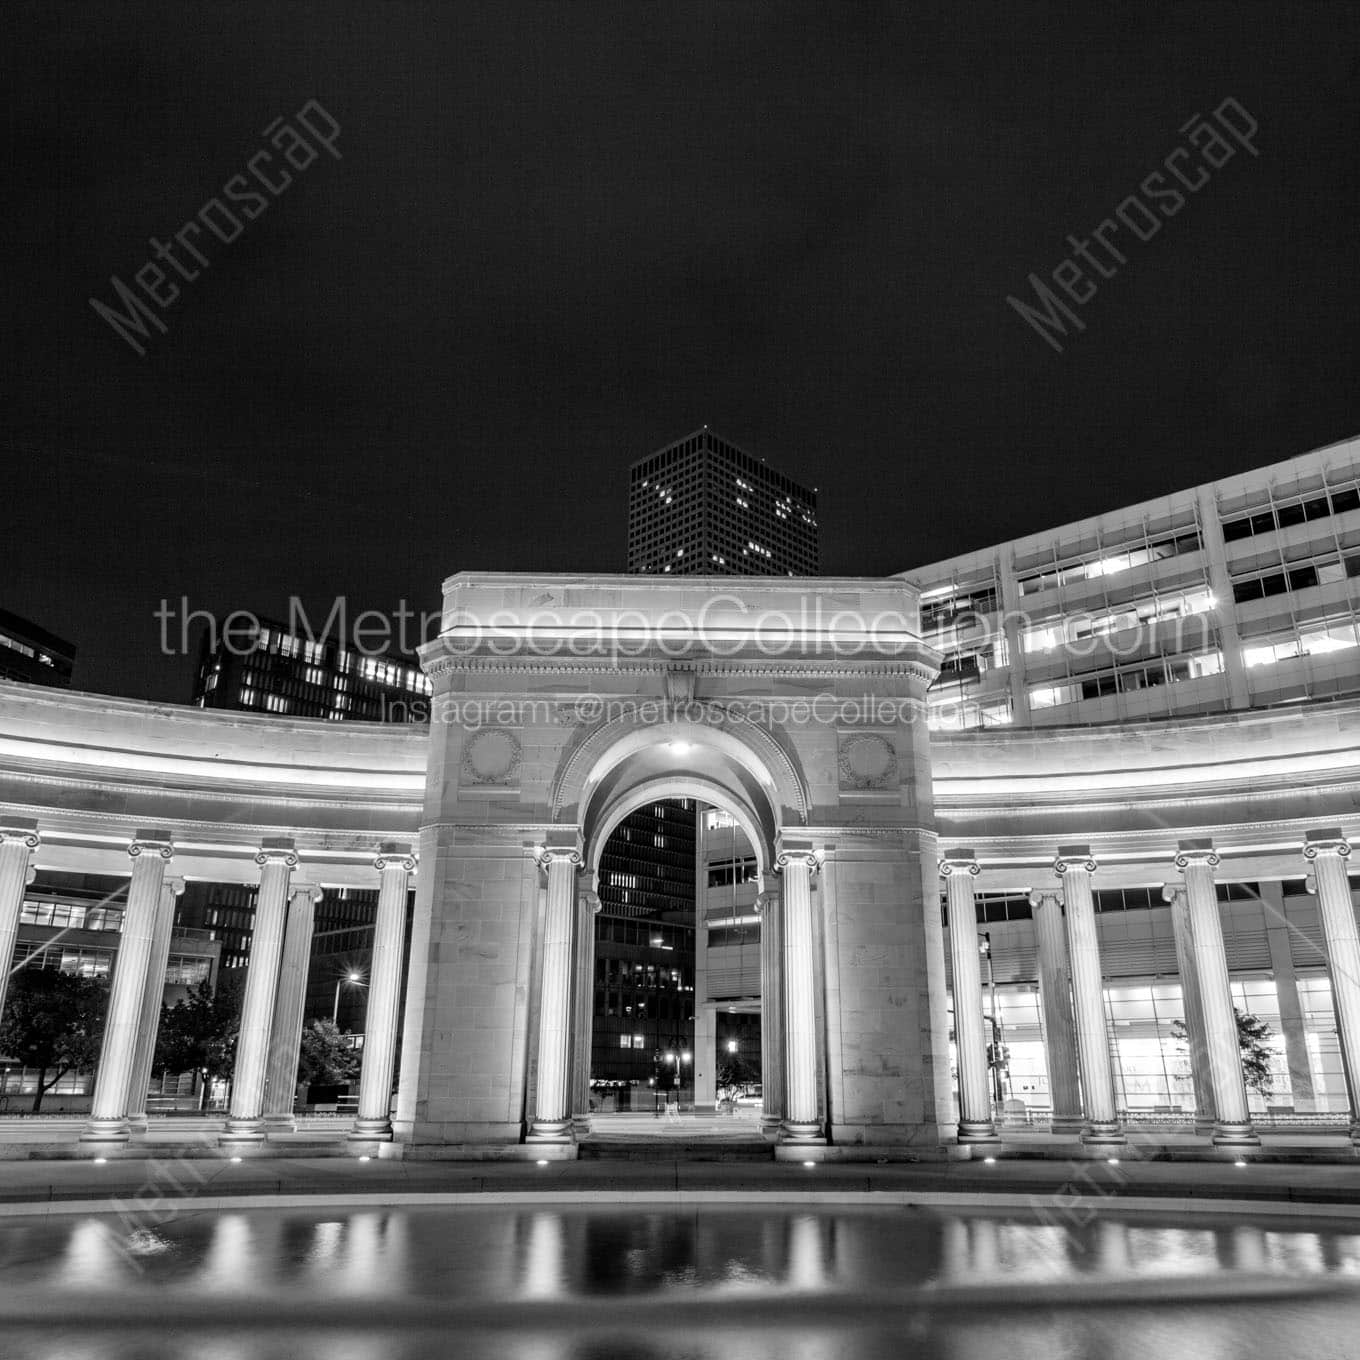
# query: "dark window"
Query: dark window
{"points": [[1290, 515], [1346, 500], [1303, 577]]}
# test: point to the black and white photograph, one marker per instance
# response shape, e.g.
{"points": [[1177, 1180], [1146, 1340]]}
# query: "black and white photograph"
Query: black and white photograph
{"points": [[680, 680]]}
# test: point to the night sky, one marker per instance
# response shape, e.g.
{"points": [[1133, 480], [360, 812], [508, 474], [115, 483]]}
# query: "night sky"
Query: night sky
{"points": [[561, 235]]}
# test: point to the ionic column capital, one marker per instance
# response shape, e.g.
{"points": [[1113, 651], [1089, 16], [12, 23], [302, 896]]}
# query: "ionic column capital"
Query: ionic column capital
{"points": [[1199, 850], [959, 861], [765, 901], [1172, 892], [790, 850], [1074, 857], [20, 831], [395, 855], [590, 898], [155, 841], [173, 886], [563, 845], [277, 850], [312, 890], [1329, 840], [1045, 897]]}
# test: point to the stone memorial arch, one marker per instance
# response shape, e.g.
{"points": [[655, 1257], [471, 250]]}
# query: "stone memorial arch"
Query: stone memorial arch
{"points": [[560, 705]]}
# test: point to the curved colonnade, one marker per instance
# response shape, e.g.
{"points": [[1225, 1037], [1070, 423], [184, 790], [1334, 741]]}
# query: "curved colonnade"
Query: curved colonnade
{"points": [[162, 794]]}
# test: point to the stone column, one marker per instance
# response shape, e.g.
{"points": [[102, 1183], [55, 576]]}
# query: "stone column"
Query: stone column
{"points": [[395, 864], [771, 1011], [153, 998], [1328, 851], [588, 906], [802, 1122], [150, 851], [1201, 1072], [1055, 1006], [552, 1098], [1232, 1124], [290, 1000], [18, 841], [958, 868], [1075, 866], [245, 1124]]}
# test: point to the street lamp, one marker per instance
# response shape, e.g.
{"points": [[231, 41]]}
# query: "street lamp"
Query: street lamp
{"points": [[353, 978]]}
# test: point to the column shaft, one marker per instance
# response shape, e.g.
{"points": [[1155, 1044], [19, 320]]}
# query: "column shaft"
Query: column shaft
{"points": [[771, 914], [1278, 936], [1232, 1124], [18, 840], [1329, 851], [108, 1110], [246, 1123], [1201, 1071], [290, 1000], [1075, 866], [582, 1006], [959, 868], [1055, 1004], [802, 1122], [153, 998], [395, 864], [552, 1112]]}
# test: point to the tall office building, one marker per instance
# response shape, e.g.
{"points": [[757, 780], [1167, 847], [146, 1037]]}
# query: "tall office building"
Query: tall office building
{"points": [[32, 654], [1236, 594], [699, 506], [266, 668], [703, 507]]}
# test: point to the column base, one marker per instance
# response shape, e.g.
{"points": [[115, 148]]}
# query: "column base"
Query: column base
{"points": [[801, 1131], [977, 1131], [1066, 1123], [1355, 1134], [1235, 1135], [242, 1131], [279, 1123], [371, 1131], [1103, 1133], [580, 1126], [106, 1131], [549, 1131], [1204, 1125], [138, 1123]]}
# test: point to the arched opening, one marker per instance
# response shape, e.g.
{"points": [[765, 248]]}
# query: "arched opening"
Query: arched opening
{"points": [[678, 839]]}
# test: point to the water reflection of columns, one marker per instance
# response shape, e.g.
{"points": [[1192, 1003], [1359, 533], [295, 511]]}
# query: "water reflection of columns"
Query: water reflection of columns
{"points": [[544, 1257], [1328, 851], [802, 1122], [588, 906], [1055, 1005], [18, 841], [1201, 1075], [958, 869], [290, 999], [552, 1098], [1075, 866], [276, 859], [150, 852], [771, 1011], [1232, 1124], [153, 998], [395, 864]]}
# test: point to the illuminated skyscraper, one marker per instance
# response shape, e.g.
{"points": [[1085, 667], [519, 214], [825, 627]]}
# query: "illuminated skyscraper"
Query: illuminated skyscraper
{"points": [[703, 507]]}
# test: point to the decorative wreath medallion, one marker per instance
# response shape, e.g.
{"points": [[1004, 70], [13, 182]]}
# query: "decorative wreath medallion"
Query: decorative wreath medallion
{"points": [[867, 761], [491, 757]]}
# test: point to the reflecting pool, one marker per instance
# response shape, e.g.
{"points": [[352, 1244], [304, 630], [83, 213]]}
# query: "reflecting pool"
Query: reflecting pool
{"points": [[575, 1282]]}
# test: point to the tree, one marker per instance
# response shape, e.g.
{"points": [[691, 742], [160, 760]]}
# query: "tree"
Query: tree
{"points": [[736, 1071], [1253, 1038], [199, 1033], [54, 1022], [325, 1059]]}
